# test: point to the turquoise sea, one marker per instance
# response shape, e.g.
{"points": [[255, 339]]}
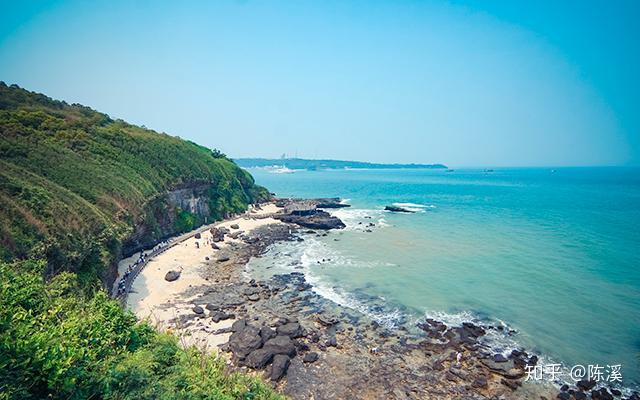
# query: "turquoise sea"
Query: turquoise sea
{"points": [[553, 254]]}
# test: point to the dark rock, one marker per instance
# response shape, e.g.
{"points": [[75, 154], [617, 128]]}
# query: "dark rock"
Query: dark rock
{"points": [[332, 342], [245, 341], [253, 297], [301, 347], [585, 385], [480, 382], [327, 319], [281, 345], [234, 226], [292, 329], [511, 384], [602, 394], [310, 357], [258, 359], [616, 392], [563, 396], [198, 235], [473, 330], [314, 219], [579, 396], [499, 358], [564, 388], [267, 333], [506, 368], [172, 276], [212, 307], [218, 316], [398, 209], [279, 366], [223, 258], [238, 325], [198, 310], [215, 246]]}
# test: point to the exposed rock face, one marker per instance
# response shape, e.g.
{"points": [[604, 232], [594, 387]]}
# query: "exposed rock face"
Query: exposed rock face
{"points": [[193, 198]]}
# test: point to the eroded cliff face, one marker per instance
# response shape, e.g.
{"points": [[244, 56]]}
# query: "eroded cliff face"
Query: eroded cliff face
{"points": [[161, 213], [160, 220]]}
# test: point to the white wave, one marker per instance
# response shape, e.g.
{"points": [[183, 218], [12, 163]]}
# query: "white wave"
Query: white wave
{"points": [[388, 319], [414, 207], [357, 218]]}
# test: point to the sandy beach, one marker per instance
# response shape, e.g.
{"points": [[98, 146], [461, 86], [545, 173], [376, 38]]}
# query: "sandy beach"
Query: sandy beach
{"points": [[161, 302]]}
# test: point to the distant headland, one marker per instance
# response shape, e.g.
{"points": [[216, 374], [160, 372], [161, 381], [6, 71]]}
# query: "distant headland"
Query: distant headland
{"points": [[301, 163]]}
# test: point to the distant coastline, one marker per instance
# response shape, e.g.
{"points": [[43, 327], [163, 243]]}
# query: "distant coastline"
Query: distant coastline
{"points": [[309, 164]]}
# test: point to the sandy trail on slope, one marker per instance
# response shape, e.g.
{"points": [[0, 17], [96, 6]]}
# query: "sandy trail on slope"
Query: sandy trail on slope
{"points": [[153, 298]]}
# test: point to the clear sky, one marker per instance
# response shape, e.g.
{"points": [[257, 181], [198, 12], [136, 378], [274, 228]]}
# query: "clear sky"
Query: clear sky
{"points": [[465, 83]]}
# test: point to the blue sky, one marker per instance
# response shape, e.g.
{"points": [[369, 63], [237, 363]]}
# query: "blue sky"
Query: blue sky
{"points": [[466, 83]]}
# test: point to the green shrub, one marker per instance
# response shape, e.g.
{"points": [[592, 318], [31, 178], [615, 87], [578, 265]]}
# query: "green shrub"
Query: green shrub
{"points": [[55, 343]]}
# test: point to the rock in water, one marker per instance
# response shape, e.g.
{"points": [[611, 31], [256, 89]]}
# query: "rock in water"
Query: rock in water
{"points": [[172, 276], [312, 219], [398, 209], [279, 366]]}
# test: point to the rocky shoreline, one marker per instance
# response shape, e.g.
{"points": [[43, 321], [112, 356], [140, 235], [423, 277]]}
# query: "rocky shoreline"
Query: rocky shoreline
{"points": [[311, 348]]}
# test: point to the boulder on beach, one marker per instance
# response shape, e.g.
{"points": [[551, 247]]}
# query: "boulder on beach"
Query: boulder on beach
{"points": [[234, 226], [310, 357], [198, 310], [198, 235], [172, 276]]}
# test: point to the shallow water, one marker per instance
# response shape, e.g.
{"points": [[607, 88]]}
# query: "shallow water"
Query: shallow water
{"points": [[553, 254]]}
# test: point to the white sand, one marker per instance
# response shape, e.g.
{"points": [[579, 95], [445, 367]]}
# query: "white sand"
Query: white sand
{"points": [[159, 301]]}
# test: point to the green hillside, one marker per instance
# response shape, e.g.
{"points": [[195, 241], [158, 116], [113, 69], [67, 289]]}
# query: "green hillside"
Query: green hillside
{"points": [[74, 183], [76, 188]]}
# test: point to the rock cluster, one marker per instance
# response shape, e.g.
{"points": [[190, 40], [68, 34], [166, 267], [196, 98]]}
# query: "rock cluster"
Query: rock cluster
{"points": [[262, 347]]}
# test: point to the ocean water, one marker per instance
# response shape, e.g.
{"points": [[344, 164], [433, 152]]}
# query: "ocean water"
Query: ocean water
{"points": [[553, 254]]}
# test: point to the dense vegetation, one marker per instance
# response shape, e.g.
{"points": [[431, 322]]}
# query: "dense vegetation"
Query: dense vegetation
{"points": [[74, 183], [55, 343], [75, 186]]}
